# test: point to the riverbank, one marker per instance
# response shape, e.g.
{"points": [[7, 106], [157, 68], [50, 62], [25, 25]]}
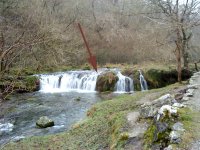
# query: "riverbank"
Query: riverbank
{"points": [[104, 128]]}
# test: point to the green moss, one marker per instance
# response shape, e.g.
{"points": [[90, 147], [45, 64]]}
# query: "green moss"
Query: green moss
{"points": [[104, 128], [149, 135], [86, 67], [189, 118], [185, 114], [106, 82], [124, 136], [31, 82]]}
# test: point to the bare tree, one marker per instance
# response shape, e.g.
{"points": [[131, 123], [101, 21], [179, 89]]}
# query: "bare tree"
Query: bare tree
{"points": [[180, 16]]}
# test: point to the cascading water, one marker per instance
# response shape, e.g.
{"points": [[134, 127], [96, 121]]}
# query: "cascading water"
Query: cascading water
{"points": [[124, 84], [80, 81], [143, 82]]}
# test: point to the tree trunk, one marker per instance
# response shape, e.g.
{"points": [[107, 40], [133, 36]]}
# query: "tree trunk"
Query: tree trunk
{"points": [[178, 59], [186, 38], [179, 49], [185, 54]]}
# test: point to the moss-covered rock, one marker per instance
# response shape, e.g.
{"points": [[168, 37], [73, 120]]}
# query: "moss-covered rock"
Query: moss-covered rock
{"points": [[20, 84], [44, 122], [32, 83], [106, 82], [161, 78], [156, 78]]}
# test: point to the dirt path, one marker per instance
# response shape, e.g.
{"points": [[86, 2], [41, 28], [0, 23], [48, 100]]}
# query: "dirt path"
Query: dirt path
{"points": [[194, 103]]}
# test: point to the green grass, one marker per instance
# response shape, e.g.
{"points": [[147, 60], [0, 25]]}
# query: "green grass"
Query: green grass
{"points": [[190, 119], [104, 128]]}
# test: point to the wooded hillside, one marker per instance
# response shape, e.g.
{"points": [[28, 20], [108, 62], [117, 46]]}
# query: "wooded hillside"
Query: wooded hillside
{"points": [[44, 33]]}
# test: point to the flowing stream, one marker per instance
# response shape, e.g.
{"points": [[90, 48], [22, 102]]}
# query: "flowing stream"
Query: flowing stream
{"points": [[19, 115], [81, 81], [56, 99]]}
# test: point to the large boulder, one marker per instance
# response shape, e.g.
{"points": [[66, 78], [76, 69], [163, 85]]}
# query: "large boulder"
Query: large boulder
{"points": [[106, 82], [44, 122]]}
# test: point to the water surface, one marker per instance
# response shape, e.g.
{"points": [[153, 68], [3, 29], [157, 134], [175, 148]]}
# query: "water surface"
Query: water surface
{"points": [[23, 110]]}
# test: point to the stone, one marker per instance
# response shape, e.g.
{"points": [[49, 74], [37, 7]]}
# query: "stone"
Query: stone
{"points": [[188, 95], [178, 96], [78, 99], [190, 91], [44, 122], [195, 86], [166, 110], [174, 101], [178, 127], [148, 112], [178, 105], [106, 82], [163, 100], [161, 126], [168, 148], [175, 137], [185, 98]]}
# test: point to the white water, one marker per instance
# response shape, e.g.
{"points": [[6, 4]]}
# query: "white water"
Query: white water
{"points": [[84, 81], [124, 84], [81, 81], [143, 82]]}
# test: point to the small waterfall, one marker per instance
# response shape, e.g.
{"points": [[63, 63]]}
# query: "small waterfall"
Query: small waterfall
{"points": [[143, 82], [84, 81], [124, 84], [80, 81]]}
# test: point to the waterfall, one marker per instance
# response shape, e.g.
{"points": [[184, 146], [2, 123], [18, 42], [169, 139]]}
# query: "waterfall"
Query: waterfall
{"points": [[80, 81], [143, 82], [124, 84]]}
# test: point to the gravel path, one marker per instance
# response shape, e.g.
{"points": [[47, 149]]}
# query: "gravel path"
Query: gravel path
{"points": [[194, 102]]}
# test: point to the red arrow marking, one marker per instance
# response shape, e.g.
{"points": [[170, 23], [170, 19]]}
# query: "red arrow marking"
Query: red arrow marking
{"points": [[91, 59]]}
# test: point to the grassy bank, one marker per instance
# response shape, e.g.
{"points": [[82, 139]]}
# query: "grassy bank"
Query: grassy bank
{"points": [[104, 128]]}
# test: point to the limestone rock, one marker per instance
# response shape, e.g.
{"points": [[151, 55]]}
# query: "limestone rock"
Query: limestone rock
{"points": [[178, 127], [148, 112], [166, 110], [191, 91], [163, 100], [178, 105], [195, 86], [45, 122], [188, 95], [175, 137], [106, 82], [178, 96], [185, 98]]}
